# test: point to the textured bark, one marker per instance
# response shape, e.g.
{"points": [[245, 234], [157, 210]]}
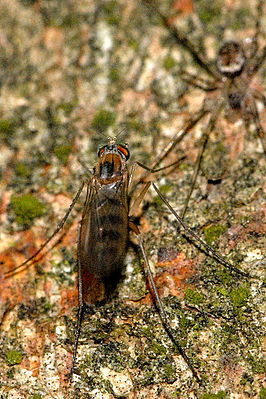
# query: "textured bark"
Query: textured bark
{"points": [[69, 69]]}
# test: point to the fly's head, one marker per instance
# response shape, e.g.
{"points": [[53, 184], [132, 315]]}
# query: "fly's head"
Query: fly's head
{"points": [[231, 59]]}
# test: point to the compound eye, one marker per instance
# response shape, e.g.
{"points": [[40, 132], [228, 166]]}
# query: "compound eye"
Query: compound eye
{"points": [[123, 151], [101, 151]]}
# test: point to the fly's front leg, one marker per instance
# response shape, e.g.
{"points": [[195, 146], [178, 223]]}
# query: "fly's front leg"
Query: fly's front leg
{"points": [[135, 205], [180, 134]]}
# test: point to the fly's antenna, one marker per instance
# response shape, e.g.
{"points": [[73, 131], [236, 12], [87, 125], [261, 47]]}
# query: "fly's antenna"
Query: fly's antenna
{"points": [[122, 131]]}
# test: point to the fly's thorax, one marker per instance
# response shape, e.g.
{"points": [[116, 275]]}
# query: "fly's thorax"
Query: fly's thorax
{"points": [[110, 167]]}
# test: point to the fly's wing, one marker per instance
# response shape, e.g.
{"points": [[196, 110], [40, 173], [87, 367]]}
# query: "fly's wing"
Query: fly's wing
{"points": [[103, 236]]}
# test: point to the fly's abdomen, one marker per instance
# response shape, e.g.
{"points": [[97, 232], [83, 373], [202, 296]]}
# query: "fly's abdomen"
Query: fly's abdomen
{"points": [[104, 233]]}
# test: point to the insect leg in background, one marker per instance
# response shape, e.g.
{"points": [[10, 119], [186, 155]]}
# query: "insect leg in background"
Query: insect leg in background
{"points": [[230, 82]]}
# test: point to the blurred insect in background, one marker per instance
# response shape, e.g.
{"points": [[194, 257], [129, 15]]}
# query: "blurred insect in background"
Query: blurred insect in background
{"points": [[230, 82], [103, 237]]}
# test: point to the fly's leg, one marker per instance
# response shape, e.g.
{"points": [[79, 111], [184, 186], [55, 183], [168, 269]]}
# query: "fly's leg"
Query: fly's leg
{"points": [[179, 136], [203, 143], [209, 249], [59, 227], [173, 143], [135, 205], [80, 312], [159, 304], [152, 170], [182, 40]]}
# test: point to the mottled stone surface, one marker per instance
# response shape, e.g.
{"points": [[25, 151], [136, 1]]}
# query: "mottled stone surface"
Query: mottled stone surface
{"points": [[68, 69]]}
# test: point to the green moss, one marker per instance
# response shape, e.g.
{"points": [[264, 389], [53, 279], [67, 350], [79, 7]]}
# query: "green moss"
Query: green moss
{"points": [[70, 20], [36, 396], [263, 393], [169, 372], [239, 295], [22, 169], [259, 366], [113, 14], [194, 296], [240, 19], [169, 62], [219, 395], [7, 127], [114, 74], [184, 166], [135, 124], [210, 12], [246, 378], [66, 107], [212, 233], [103, 119], [223, 291], [13, 357], [28, 3], [26, 208], [62, 152], [184, 324], [226, 279], [157, 348], [134, 44]]}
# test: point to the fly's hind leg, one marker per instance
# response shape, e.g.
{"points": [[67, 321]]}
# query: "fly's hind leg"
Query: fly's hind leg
{"points": [[159, 305], [207, 247]]}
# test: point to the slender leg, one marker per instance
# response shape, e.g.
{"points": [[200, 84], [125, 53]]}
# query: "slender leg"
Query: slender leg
{"points": [[255, 44], [198, 82], [209, 249], [260, 131], [204, 140], [259, 96], [180, 135], [172, 144], [159, 304], [259, 60], [182, 40], [135, 205], [80, 312], [59, 227], [151, 170]]}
